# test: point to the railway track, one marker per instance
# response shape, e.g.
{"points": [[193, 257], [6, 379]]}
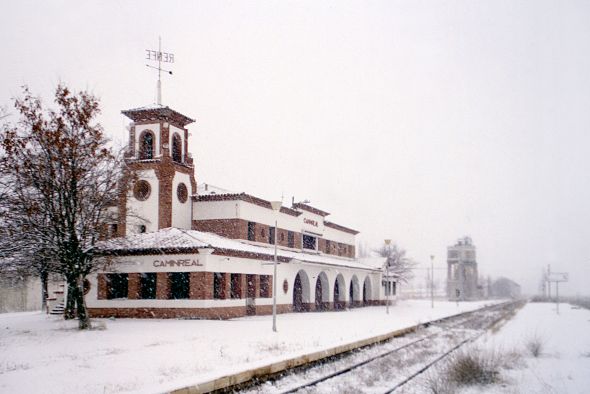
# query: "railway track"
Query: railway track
{"points": [[388, 366]]}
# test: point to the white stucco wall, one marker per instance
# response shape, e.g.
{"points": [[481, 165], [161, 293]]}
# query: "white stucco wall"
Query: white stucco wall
{"points": [[144, 212], [181, 212], [339, 236]]}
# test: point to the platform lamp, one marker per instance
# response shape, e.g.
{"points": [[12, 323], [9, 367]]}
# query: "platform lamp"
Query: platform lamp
{"points": [[387, 284], [276, 207]]}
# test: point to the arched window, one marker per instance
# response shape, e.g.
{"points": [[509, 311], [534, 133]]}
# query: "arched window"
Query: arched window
{"points": [[146, 145], [176, 148]]}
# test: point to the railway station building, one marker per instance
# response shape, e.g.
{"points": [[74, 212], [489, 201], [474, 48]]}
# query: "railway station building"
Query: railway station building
{"points": [[183, 249]]}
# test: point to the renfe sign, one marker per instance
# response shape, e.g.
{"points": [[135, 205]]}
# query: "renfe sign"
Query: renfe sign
{"points": [[159, 56]]}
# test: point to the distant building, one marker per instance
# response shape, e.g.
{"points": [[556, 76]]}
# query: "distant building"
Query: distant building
{"points": [[504, 288], [462, 271]]}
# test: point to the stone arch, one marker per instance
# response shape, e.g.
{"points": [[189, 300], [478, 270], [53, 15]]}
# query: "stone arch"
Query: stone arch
{"points": [[339, 292], [147, 145], [301, 292], [322, 292], [354, 296], [176, 148], [367, 291]]}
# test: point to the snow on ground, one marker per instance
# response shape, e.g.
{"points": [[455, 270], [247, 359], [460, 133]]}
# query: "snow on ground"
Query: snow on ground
{"points": [[45, 354], [564, 364]]}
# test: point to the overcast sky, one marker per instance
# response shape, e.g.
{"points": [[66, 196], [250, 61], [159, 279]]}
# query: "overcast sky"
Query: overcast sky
{"points": [[416, 121]]}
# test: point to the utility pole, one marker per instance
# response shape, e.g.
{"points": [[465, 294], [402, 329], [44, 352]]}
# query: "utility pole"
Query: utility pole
{"points": [[432, 281], [387, 283]]}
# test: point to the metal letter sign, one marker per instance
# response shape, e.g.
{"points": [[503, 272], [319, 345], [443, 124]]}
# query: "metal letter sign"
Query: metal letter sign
{"points": [[159, 57]]}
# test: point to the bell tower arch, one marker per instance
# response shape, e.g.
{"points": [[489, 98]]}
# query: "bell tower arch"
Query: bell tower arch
{"points": [[157, 154]]}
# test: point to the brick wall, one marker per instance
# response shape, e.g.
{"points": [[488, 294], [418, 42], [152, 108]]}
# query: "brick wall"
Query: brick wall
{"points": [[201, 285], [238, 229], [229, 228]]}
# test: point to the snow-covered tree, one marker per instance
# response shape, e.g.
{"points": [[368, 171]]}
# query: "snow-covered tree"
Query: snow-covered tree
{"points": [[398, 264], [58, 176]]}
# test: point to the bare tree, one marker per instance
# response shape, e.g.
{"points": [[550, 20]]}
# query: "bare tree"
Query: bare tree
{"points": [[58, 177], [398, 264]]}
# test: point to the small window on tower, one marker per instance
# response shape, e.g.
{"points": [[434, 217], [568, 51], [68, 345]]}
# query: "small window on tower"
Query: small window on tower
{"points": [[176, 148], [141, 190], [146, 145], [182, 192]]}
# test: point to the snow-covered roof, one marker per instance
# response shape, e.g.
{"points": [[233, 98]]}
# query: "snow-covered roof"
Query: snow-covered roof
{"points": [[157, 112], [175, 240], [377, 262], [206, 189]]}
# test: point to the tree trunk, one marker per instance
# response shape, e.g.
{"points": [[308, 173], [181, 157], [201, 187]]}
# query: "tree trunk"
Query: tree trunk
{"points": [[83, 318], [70, 308], [44, 293]]}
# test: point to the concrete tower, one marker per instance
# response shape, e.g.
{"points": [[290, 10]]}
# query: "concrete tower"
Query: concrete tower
{"points": [[462, 271]]}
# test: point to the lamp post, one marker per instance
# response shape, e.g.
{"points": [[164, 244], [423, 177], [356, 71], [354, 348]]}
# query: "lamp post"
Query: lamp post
{"points": [[387, 284], [432, 281], [276, 206]]}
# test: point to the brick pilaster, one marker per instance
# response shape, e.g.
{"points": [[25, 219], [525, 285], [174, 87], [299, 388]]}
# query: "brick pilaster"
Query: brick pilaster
{"points": [[134, 286], [102, 290], [162, 286], [201, 285]]}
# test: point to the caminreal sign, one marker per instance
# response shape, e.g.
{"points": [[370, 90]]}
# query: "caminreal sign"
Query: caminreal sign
{"points": [[177, 263], [313, 223]]}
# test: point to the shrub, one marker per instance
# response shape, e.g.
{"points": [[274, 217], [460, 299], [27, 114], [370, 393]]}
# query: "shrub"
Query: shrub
{"points": [[473, 367], [535, 346]]}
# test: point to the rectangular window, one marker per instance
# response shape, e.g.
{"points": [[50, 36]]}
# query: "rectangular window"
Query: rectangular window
{"points": [[271, 235], [309, 242], [117, 286], [328, 246], [236, 286], [218, 286], [290, 239], [265, 286], [251, 231], [147, 282], [389, 288], [179, 285], [113, 230]]}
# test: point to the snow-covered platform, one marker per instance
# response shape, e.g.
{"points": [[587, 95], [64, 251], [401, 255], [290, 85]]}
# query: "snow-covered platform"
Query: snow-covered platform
{"points": [[44, 354]]}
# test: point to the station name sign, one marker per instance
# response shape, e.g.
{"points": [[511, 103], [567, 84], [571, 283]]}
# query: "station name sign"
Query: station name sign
{"points": [[558, 277], [159, 56], [177, 263], [311, 222]]}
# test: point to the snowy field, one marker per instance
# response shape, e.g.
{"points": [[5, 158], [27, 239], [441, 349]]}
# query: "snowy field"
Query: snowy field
{"points": [[44, 354], [564, 363]]}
